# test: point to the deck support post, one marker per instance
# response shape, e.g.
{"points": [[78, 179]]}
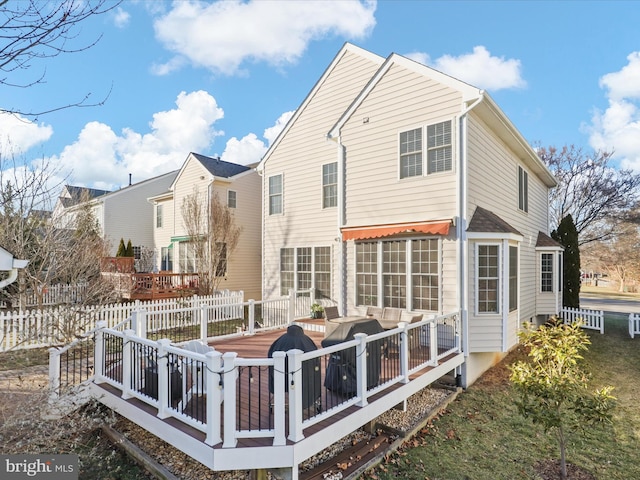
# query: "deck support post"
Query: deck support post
{"points": [[98, 352], [163, 377], [204, 322], [361, 368], [252, 316], [295, 395], [404, 352], [279, 398], [433, 343], [213, 377], [229, 379], [126, 363]]}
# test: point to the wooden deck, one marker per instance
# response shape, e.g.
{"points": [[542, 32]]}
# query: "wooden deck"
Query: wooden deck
{"points": [[254, 403]]}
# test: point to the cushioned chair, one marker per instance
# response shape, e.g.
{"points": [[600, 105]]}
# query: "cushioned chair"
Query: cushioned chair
{"points": [[390, 317]]}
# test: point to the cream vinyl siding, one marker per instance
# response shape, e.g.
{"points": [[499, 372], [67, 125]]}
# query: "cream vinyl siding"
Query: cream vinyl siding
{"points": [[162, 236], [493, 184], [401, 101], [192, 175], [299, 157], [244, 271]]}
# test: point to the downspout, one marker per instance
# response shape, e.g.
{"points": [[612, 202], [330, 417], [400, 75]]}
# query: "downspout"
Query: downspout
{"points": [[260, 171], [341, 219], [461, 230], [13, 276]]}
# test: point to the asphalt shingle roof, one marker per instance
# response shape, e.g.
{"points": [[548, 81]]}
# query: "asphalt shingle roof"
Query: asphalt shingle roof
{"points": [[488, 222], [220, 168]]}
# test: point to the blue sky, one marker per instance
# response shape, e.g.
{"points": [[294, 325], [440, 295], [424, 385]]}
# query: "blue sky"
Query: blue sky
{"points": [[221, 78]]}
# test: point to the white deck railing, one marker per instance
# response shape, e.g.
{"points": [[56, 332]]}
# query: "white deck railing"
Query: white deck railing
{"points": [[144, 369], [634, 324], [591, 319]]}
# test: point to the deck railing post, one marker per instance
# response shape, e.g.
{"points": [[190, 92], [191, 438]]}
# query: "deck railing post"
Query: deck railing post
{"points": [[204, 322], [127, 364], [433, 343], [229, 381], [361, 368], [601, 314], [292, 306], [252, 316], [279, 398], [163, 377], [214, 396], [294, 375], [98, 352], [139, 322], [54, 373], [404, 352]]}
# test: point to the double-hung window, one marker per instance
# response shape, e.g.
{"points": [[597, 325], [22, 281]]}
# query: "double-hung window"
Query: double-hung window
{"points": [[411, 153], [546, 272], [439, 148], [330, 185], [488, 275], [158, 216], [523, 189], [399, 273], [275, 194], [232, 199]]}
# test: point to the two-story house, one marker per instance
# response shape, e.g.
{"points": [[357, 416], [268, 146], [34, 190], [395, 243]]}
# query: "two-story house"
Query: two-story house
{"points": [[238, 187], [395, 185], [121, 214]]}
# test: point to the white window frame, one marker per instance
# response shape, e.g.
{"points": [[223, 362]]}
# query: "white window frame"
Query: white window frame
{"points": [[439, 147], [551, 273], [232, 199], [523, 189], [327, 187], [499, 279], [274, 195], [159, 216], [296, 251], [420, 152], [408, 273]]}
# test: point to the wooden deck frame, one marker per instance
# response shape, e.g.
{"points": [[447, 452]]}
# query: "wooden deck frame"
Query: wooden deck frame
{"points": [[303, 439]]}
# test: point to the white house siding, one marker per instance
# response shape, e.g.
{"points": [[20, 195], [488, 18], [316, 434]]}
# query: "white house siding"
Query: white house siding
{"points": [[128, 215], [301, 154], [162, 235], [244, 264], [493, 185]]}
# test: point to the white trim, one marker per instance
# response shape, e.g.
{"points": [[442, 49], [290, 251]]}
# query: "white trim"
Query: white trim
{"points": [[500, 292], [268, 212], [514, 237]]}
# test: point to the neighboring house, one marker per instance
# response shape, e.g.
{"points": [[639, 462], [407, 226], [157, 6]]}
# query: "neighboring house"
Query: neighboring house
{"points": [[238, 186], [395, 185], [122, 214]]}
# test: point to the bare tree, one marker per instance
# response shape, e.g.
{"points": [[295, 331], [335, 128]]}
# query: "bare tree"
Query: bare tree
{"points": [[590, 189], [213, 234], [36, 30]]}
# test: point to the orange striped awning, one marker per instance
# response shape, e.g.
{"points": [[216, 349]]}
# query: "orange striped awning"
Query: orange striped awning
{"points": [[377, 231]]}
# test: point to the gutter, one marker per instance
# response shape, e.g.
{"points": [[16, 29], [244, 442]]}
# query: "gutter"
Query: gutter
{"points": [[461, 226]]}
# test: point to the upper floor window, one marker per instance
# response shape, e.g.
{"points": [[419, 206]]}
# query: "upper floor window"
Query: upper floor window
{"points": [[275, 194], [158, 216], [439, 147], [411, 153], [330, 185], [232, 199], [523, 189]]}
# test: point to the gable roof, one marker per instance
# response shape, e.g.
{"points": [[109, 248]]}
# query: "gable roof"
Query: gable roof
{"points": [[79, 194], [346, 48], [485, 221], [220, 168]]}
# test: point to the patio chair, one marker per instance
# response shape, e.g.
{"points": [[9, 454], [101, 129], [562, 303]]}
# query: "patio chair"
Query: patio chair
{"points": [[390, 317], [194, 379]]}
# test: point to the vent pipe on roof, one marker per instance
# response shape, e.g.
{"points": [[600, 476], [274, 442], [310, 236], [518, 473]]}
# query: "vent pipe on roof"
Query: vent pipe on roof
{"points": [[129, 179]]}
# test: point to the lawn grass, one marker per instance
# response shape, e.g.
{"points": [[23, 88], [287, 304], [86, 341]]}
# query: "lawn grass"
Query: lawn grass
{"points": [[482, 436]]}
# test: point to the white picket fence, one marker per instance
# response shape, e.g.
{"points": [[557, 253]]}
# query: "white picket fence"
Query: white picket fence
{"points": [[47, 327], [591, 319], [55, 295], [634, 324]]}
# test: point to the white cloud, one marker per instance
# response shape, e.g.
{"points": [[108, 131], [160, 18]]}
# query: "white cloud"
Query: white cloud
{"points": [[272, 133], [121, 18], [223, 35], [20, 134], [250, 148], [479, 68], [617, 128], [103, 159]]}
